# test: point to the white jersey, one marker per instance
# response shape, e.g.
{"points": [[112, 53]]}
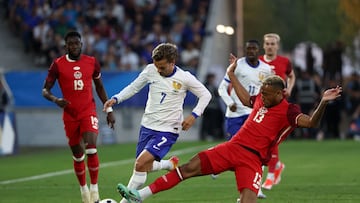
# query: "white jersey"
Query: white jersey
{"points": [[251, 78], [164, 107]]}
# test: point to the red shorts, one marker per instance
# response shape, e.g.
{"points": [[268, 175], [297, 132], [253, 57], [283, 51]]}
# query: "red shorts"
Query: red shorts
{"points": [[75, 129], [230, 156]]}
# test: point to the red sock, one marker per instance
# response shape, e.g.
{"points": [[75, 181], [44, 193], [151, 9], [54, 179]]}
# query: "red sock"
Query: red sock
{"points": [[274, 159], [93, 164], [79, 168], [165, 182]]}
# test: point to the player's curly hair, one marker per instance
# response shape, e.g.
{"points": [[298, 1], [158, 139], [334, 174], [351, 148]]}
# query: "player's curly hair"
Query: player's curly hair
{"points": [[166, 51], [275, 81]]}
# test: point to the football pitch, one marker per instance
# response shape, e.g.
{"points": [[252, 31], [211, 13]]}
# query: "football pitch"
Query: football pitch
{"points": [[323, 172]]}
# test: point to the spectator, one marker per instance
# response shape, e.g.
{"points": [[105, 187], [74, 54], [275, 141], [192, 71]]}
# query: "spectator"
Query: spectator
{"points": [[212, 125], [129, 60], [307, 93], [354, 127]]}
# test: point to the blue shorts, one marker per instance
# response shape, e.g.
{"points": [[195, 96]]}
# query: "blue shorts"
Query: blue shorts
{"points": [[156, 142], [234, 124]]}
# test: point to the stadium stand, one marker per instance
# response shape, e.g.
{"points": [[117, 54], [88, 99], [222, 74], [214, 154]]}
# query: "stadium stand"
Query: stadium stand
{"points": [[119, 33]]}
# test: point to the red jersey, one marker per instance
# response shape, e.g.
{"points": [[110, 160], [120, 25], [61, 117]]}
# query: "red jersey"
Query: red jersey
{"points": [[280, 65], [75, 80], [265, 127]]}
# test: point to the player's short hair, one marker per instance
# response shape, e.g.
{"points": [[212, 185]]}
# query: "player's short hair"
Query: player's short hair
{"points": [[275, 81], [72, 34], [272, 35], [253, 41], [166, 51]]}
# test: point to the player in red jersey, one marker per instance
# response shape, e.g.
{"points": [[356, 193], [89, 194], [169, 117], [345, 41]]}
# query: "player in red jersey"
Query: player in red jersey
{"points": [[271, 120], [283, 68], [75, 73]]}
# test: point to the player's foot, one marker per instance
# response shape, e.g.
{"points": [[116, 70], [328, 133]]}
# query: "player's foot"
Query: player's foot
{"points": [[85, 196], [175, 162], [268, 184], [261, 195], [131, 195], [277, 173], [214, 176], [94, 196]]}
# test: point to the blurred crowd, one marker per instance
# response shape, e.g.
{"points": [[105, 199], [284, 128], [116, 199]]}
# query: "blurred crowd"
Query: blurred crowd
{"points": [[119, 33], [122, 33], [341, 118]]}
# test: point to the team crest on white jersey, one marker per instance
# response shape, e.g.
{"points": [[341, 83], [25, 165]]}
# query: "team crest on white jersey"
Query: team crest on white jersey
{"points": [[176, 85], [77, 75], [262, 76]]}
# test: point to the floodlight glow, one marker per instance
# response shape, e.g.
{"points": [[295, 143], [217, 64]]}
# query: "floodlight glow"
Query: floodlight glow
{"points": [[220, 28], [229, 30]]}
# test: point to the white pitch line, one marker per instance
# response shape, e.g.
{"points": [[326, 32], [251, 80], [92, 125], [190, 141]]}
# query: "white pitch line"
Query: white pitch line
{"points": [[102, 165]]}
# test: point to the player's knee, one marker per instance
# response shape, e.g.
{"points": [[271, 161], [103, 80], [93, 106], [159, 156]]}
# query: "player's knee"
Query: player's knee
{"points": [[90, 149], [248, 195], [142, 166], [190, 169], [78, 157]]}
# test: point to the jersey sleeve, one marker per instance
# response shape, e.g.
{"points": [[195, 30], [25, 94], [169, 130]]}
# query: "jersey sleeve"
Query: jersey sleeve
{"points": [[134, 87], [293, 113], [53, 73], [224, 91], [199, 90], [97, 73], [288, 67]]}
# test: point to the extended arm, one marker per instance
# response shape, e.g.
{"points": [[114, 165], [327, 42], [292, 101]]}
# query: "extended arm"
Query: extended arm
{"points": [[290, 83], [312, 121], [100, 90], [46, 92], [204, 97], [240, 91]]}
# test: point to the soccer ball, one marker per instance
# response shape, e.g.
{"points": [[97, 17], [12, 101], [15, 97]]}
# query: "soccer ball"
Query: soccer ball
{"points": [[108, 200]]}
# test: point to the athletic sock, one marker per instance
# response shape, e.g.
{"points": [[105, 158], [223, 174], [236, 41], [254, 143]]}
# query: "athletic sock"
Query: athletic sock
{"points": [[92, 163], [165, 182], [79, 168], [161, 165], [137, 179]]}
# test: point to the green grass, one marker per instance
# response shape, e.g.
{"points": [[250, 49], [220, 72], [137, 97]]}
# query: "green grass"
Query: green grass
{"points": [[321, 172]]}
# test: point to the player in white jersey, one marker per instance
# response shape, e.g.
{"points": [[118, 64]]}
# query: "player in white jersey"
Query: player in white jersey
{"points": [[163, 118], [251, 72]]}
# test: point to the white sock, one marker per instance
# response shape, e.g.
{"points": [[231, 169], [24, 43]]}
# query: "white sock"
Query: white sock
{"points": [[161, 165], [123, 200], [260, 191], [137, 180], [84, 188], [94, 187], [145, 192], [277, 166], [270, 176]]}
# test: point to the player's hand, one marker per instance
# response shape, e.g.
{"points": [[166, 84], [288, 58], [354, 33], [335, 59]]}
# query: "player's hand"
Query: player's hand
{"points": [[332, 94], [108, 103], [232, 58], [287, 93], [110, 119], [188, 122], [231, 68], [61, 102]]}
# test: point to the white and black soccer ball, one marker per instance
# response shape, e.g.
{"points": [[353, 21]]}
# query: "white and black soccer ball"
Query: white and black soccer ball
{"points": [[108, 200]]}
